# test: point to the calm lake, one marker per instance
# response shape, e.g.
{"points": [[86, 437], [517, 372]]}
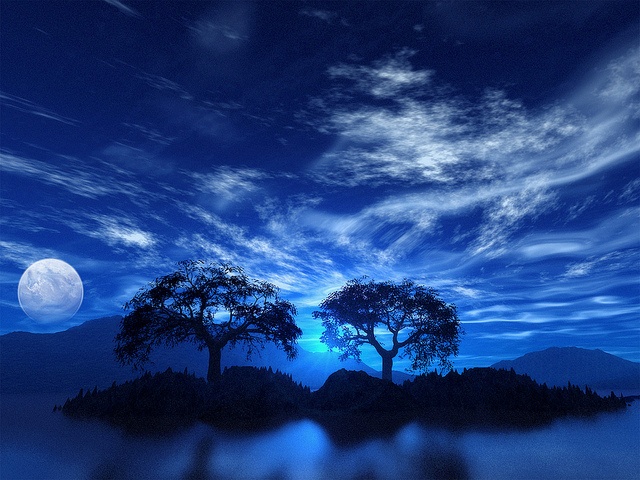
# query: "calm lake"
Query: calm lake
{"points": [[36, 443]]}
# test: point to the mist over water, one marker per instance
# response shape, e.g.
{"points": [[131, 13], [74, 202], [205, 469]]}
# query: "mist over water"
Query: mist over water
{"points": [[38, 443]]}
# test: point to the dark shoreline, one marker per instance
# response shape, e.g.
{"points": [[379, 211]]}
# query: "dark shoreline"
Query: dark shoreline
{"points": [[351, 406]]}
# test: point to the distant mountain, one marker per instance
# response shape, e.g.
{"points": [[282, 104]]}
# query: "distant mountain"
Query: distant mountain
{"points": [[82, 357], [599, 370]]}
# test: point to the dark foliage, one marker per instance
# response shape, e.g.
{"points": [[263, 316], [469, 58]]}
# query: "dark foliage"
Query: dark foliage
{"points": [[153, 403], [489, 396], [350, 404], [170, 400], [187, 306], [421, 325], [253, 396]]}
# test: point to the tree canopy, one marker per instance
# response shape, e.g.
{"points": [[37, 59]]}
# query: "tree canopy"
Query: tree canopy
{"points": [[212, 305], [402, 319]]}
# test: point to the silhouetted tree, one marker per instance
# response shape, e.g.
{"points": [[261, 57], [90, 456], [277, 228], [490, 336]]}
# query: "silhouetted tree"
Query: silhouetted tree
{"points": [[418, 324], [211, 305]]}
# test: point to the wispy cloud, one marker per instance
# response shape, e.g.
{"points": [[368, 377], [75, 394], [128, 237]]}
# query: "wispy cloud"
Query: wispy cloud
{"points": [[77, 179], [127, 10], [150, 133], [489, 154], [115, 231], [27, 106], [224, 29], [88, 179], [326, 16], [509, 335], [548, 247], [16, 217], [226, 184], [505, 216], [129, 160], [608, 262], [24, 254], [424, 135], [618, 81], [162, 83], [387, 78], [469, 292]]}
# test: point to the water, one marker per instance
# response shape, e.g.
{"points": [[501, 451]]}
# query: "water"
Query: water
{"points": [[37, 443]]}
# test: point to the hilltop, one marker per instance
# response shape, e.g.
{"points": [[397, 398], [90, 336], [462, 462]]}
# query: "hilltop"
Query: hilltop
{"points": [[599, 370]]}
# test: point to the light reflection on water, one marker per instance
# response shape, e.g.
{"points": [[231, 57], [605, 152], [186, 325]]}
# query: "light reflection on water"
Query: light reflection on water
{"points": [[36, 443]]}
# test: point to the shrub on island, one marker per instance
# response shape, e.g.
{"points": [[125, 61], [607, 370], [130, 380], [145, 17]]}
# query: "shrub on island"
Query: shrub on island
{"points": [[490, 396], [169, 400], [248, 396]]}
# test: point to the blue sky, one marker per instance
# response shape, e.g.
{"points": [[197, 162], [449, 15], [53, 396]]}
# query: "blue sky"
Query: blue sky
{"points": [[486, 149]]}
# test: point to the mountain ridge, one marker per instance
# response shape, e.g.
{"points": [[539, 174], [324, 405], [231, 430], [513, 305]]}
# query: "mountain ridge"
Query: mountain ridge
{"points": [[82, 357], [597, 369]]}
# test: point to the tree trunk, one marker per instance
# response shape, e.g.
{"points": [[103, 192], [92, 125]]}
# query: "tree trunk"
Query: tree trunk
{"points": [[214, 373], [387, 367]]}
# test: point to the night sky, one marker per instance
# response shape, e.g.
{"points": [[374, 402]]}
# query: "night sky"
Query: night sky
{"points": [[487, 149]]}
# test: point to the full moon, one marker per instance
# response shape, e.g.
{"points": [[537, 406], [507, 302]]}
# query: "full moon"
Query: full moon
{"points": [[50, 291]]}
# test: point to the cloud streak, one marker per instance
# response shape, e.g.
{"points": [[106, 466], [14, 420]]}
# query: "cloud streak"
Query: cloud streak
{"points": [[127, 10], [492, 154], [76, 179], [27, 106], [431, 138]]}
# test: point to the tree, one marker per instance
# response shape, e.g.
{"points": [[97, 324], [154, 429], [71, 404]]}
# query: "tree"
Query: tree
{"points": [[419, 325], [211, 305]]}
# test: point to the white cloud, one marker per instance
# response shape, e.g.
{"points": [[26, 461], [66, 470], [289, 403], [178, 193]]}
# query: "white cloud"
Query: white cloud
{"points": [[227, 184], [630, 192], [128, 236], [16, 217], [619, 80], [198, 246], [606, 300], [27, 106], [131, 159], [491, 153], [521, 318], [77, 177], [509, 335], [506, 216], [324, 15], [545, 249], [23, 254], [162, 83], [545, 305], [387, 78], [127, 10], [150, 133], [589, 315], [498, 308], [422, 135], [224, 29], [469, 292], [580, 269], [115, 231]]}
